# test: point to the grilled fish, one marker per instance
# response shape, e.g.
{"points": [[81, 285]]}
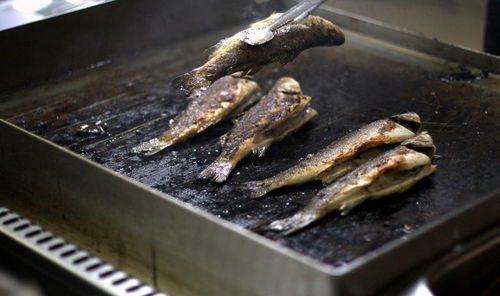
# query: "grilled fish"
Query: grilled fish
{"points": [[233, 55], [344, 154], [391, 172], [283, 110], [224, 99]]}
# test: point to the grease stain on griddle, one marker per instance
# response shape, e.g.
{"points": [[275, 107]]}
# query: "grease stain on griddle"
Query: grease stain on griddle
{"points": [[351, 85]]}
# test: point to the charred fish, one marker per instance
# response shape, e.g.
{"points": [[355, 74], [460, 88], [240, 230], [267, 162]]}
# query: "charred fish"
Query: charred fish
{"points": [[392, 172], [224, 99], [344, 154], [283, 110], [233, 55]]}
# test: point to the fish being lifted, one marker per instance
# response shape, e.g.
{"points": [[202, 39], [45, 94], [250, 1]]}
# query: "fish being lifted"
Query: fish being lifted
{"points": [[224, 99], [233, 55], [344, 154], [283, 110], [392, 172]]}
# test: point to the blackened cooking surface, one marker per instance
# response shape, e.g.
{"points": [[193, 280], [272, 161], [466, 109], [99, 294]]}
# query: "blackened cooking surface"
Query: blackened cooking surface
{"points": [[351, 85]]}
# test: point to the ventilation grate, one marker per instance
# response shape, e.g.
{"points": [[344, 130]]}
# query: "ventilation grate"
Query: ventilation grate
{"points": [[73, 259]]}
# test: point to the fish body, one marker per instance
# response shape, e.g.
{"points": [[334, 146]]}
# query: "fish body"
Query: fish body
{"points": [[392, 172], [283, 110], [344, 154], [224, 99], [233, 55]]}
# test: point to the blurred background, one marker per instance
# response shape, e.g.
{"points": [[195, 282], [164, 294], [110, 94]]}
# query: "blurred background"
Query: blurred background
{"points": [[457, 21]]}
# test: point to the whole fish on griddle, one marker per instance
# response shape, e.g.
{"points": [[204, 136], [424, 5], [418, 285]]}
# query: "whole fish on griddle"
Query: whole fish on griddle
{"points": [[344, 154], [283, 110], [233, 55], [392, 172], [224, 99]]}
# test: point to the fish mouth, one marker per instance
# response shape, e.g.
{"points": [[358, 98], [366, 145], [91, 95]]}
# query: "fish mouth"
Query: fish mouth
{"points": [[409, 120], [422, 143]]}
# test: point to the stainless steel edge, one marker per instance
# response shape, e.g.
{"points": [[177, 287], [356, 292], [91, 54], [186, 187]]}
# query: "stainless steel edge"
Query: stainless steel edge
{"points": [[482, 255], [72, 259], [178, 249], [405, 38], [420, 248]]}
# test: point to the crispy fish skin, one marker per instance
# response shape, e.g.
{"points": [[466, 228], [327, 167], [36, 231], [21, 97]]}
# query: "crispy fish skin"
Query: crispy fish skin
{"points": [[281, 111], [344, 154], [233, 55], [224, 99], [394, 171]]}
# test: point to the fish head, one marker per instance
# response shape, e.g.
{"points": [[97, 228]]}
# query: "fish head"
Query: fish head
{"points": [[247, 87], [409, 120], [287, 85], [328, 33], [292, 94], [422, 143], [232, 89]]}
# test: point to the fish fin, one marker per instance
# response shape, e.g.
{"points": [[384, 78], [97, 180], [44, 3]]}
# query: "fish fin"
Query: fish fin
{"points": [[260, 151], [223, 139], [239, 74], [152, 146], [212, 49], [257, 189], [253, 70], [346, 207], [218, 171], [437, 157], [192, 83]]}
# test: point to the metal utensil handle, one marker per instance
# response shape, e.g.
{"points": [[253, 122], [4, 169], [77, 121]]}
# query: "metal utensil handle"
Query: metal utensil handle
{"points": [[297, 12]]}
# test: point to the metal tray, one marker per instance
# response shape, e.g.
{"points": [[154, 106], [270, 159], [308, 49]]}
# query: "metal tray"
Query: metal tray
{"points": [[183, 250]]}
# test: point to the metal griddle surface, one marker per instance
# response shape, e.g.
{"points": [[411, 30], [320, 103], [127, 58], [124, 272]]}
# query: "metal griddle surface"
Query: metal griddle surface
{"points": [[351, 85]]}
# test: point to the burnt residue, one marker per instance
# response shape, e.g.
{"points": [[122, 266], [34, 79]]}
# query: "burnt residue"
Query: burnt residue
{"points": [[462, 73], [351, 86]]}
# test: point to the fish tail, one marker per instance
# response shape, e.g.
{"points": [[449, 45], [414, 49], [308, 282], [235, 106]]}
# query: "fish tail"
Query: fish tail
{"points": [[192, 82], [154, 145], [262, 227], [218, 171], [257, 188], [292, 224]]}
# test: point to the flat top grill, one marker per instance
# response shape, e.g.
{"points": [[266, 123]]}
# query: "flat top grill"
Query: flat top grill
{"points": [[351, 85]]}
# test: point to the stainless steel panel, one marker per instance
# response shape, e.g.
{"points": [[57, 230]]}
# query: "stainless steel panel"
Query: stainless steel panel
{"points": [[107, 279], [177, 248]]}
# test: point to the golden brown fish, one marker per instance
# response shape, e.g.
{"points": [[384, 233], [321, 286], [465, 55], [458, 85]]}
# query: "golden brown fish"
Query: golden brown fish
{"points": [[226, 98], [344, 154], [233, 55], [283, 110], [392, 172]]}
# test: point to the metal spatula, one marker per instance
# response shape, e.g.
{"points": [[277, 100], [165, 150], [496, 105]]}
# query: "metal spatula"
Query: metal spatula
{"points": [[258, 36]]}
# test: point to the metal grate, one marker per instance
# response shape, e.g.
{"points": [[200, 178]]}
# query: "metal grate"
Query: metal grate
{"points": [[99, 273]]}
